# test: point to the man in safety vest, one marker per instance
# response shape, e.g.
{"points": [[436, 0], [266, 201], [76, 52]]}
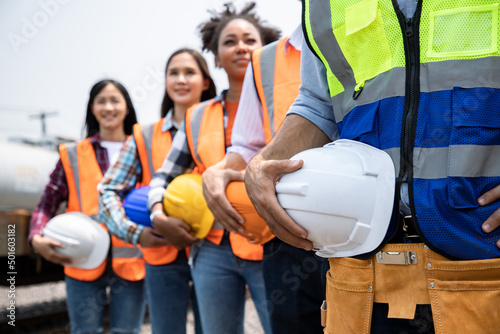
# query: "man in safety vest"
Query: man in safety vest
{"points": [[419, 80], [294, 278]]}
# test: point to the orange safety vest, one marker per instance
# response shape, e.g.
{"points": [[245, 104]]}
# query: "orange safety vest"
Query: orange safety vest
{"points": [[153, 146], [83, 174], [206, 138], [277, 80]]}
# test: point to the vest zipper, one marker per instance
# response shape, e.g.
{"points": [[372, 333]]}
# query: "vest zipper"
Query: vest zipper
{"points": [[410, 29]]}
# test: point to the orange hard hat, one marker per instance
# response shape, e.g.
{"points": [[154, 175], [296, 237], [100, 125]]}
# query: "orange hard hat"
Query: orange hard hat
{"points": [[254, 224]]}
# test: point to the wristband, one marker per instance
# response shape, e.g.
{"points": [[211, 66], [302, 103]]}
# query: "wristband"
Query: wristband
{"points": [[154, 214]]}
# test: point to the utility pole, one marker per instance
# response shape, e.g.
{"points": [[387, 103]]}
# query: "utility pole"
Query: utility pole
{"points": [[43, 116]]}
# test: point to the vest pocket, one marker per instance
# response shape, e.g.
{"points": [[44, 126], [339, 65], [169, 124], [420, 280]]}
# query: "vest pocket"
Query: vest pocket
{"points": [[361, 124], [363, 33], [468, 31], [349, 296], [475, 136], [465, 295]]}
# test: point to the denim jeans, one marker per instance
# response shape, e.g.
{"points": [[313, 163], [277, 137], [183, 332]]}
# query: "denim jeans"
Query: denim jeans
{"points": [[219, 280], [296, 285], [86, 302], [168, 293]]}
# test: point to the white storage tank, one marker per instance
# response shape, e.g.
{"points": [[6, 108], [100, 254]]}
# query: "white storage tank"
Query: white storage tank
{"points": [[24, 172]]}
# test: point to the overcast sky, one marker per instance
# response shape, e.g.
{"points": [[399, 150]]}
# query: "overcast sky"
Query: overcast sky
{"points": [[53, 51]]}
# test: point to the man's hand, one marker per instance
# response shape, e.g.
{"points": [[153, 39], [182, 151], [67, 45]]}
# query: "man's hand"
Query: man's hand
{"points": [[260, 180], [46, 248], [215, 181], [148, 238], [493, 222], [174, 230]]}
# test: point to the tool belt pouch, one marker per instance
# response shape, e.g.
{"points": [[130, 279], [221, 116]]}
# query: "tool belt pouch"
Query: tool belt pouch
{"points": [[349, 296], [465, 295]]}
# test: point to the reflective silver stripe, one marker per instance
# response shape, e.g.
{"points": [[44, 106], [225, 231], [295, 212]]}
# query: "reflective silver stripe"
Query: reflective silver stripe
{"points": [[196, 118], [73, 161], [127, 253], [430, 163], [267, 61], [384, 85], [435, 166], [438, 76], [394, 154], [147, 136], [466, 73], [320, 14], [434, 76], [455, 161], [217, 226], [464, 158]]}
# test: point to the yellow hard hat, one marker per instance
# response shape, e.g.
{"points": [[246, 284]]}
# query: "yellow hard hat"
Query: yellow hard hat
{"points": [[184, 199], [254, 224]]}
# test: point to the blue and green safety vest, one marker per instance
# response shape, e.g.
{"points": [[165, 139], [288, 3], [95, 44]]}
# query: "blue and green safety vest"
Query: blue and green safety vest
{"points": [[427, 91]]}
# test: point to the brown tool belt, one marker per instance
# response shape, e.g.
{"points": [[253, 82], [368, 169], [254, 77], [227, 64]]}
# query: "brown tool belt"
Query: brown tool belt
{"points": [[462, 294]]}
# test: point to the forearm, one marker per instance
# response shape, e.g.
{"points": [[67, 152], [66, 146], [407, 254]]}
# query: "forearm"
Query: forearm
{"points": [[234, 161], [291, 139], [113, 216], [118, 181]]}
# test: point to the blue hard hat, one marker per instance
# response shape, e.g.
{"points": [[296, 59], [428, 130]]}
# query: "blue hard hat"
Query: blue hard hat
{"points": [[135, 205]]}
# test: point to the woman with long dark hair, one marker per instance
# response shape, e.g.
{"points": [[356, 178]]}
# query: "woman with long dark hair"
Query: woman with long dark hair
{"points": [[187, 81], [109, 120]]}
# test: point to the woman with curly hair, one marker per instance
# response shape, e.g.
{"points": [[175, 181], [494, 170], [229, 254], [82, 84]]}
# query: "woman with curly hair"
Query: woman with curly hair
{"points": [[223, 263]]}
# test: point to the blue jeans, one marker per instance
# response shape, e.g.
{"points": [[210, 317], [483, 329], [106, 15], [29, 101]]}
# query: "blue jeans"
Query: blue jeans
{"points": [[219, 280], [296, 286], [87, 301], [168, 294]]}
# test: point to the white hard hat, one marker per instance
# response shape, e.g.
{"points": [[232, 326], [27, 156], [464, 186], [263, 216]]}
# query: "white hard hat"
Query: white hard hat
{"points": [[343, 196], [84, 240]]}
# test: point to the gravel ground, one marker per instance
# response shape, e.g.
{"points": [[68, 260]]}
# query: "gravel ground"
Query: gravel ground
{"points": [[252, 322], [43, 298]]}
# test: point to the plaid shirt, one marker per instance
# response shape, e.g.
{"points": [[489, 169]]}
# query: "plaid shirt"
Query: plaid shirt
{"points": [[56, 191], [118, 182], [178, 161]]}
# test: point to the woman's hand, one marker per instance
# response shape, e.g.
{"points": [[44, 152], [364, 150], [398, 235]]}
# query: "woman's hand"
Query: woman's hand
{"points": [[46, 248], [148, 238], [174, 230], [215, 181]]}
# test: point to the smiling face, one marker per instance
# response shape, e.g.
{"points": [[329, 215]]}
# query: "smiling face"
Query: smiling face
{"points": [[109, 108], [236, 42], [184, 80]]}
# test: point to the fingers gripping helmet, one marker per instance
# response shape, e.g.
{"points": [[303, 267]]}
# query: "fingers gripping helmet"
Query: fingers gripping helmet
{"points": [[343, 196]]}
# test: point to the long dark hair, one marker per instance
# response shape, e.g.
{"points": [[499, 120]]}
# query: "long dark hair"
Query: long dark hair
{"points": [[207, 94], [91, 124], [210, 30]]}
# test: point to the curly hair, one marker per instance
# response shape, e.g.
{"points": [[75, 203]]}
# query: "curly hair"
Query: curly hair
{"points": [[210, 30]]}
